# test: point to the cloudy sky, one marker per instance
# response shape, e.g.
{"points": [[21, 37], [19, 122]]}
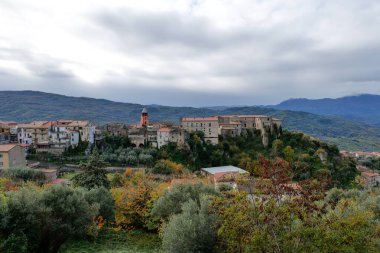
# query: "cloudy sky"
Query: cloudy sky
{"points": [[191, 52]]}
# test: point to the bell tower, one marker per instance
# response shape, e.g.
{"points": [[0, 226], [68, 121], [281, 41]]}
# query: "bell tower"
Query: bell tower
{"points": [[144, 121]]}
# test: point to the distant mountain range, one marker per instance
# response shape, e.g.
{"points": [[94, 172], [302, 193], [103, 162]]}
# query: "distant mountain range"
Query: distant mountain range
{"points": [[24, 106], [364, 108]]}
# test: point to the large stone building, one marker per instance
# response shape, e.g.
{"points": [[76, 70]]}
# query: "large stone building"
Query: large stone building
{"points": [[11, 155], [232, 125], [208, 125]]}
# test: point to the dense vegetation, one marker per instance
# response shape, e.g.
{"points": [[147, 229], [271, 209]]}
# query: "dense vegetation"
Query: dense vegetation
{"points": [[306, 156], [349, 135], [300, 195]]}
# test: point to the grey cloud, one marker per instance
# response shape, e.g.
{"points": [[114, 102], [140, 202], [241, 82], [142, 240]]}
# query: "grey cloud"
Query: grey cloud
{"points": [[167, 29], [263, 66]]}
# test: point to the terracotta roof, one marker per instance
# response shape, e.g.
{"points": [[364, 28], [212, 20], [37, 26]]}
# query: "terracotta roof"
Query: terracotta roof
{"points": [[36, 124], [7, 147], [188, 119], [164, 129], [370, 174], [253, 116]]}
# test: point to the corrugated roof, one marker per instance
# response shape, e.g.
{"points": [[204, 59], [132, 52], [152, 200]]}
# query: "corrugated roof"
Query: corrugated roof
{"points": [[224, 169]]}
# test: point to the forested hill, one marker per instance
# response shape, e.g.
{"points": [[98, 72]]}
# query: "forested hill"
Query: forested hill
{"points": [[364, 108], [23, 106]]}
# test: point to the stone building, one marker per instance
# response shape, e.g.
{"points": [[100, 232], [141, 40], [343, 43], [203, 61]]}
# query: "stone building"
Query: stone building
{"points": [[11, 155], [116, 129], [232, 125], [168, 135], [208, 125]]}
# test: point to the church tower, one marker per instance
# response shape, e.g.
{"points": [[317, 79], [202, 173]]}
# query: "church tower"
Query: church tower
{"points": [[144, 121]]}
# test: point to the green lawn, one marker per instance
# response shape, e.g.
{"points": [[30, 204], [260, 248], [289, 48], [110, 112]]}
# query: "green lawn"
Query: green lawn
{"points": [[116, 242]]}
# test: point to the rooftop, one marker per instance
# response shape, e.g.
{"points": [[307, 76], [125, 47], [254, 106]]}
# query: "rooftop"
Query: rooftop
{"points": [[165, 129], [7, 147], [223, 169], [214, 118], [370, 174]]}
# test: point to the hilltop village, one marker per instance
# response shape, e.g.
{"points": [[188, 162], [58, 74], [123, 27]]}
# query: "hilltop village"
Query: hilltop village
{"points": [[167, 186], [57, 136]]}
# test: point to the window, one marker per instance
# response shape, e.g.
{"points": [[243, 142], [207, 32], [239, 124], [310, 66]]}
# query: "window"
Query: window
{"points": [[209, 124]]}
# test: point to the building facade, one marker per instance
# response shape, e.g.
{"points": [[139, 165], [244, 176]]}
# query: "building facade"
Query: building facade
{"points": [[11, 156], [208, 125], [232, 125]]}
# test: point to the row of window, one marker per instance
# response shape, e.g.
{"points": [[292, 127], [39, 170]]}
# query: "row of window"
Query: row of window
{"points": [[200, 124]]}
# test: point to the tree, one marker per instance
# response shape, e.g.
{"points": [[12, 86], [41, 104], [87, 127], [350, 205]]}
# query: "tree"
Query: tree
{"points": [[172, 201], [193, 230], [167, 167], [132, 201], [103, 198], [94, 175], [289, 154]]}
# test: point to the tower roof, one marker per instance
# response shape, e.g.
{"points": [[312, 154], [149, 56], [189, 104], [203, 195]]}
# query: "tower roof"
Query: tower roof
{"points": [[144, 110]]}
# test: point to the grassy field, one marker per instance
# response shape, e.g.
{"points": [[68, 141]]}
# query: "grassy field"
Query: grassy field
{"points": [[112, 242]]}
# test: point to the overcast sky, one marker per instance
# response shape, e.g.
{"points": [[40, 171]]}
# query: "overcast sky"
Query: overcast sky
{"points": [[183, 52]]}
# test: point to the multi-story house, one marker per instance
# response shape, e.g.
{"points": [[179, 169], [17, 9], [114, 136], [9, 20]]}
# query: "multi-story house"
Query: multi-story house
{"points": [[36, 133], [116, 129], [11, 155], [8, 132], [85, 128], [167, 135], [55, 136]]}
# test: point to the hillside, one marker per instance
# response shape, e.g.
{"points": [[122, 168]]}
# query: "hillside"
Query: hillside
{"points": [[363, 108], [23, 106]]}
